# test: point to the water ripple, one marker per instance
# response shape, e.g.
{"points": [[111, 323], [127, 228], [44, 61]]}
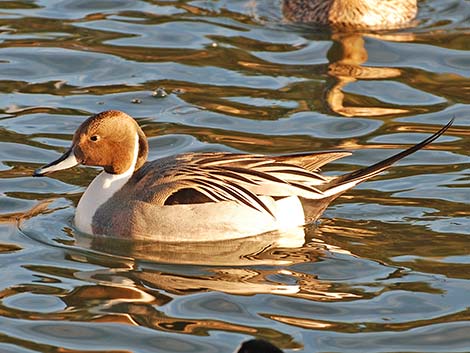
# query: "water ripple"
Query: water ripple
{"points": [[386, 268]]}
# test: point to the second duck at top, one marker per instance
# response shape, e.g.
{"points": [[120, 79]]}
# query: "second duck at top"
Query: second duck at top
{"points": [[198, 196], [352, 14]]}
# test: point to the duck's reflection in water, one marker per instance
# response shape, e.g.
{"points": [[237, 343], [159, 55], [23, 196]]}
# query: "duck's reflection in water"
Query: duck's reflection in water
{"points": [[157, 285], [234, 252], [152, 277], [242, 266]]}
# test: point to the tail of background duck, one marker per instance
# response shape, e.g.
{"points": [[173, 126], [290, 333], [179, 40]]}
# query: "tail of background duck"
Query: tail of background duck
{"points": [[342, 183]]}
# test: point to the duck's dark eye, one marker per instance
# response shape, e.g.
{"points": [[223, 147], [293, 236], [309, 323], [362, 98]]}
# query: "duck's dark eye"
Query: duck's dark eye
{"points": [[94, 138]]}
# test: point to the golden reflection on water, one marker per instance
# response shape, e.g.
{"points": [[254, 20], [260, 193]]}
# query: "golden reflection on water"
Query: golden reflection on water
{"points": [[326, 282], [242, 281], [304, 323], [6, 248], [17, 217]]}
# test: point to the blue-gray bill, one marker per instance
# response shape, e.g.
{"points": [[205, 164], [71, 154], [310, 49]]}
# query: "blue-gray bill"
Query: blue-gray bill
{"points": [[67, 160]]}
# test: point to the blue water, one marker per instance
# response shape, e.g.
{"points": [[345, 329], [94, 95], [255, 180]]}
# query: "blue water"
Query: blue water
{"points": [[386, 270]]}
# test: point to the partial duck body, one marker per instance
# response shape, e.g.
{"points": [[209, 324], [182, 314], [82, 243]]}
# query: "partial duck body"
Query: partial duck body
{"points": [[198, 196], [352, 14], [258, 346]]}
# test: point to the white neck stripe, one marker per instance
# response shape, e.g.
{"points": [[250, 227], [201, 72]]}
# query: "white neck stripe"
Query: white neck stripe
{"points": [[100, 190]]}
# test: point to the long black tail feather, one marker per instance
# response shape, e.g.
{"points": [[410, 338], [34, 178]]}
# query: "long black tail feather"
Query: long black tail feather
{"points": [[370, 171]]}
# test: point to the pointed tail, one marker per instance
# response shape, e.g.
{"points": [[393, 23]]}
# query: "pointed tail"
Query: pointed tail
{"points": [[344, 182]]}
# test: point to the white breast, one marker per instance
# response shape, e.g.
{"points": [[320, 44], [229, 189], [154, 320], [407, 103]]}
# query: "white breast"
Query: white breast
{"points": [[99, 191]]}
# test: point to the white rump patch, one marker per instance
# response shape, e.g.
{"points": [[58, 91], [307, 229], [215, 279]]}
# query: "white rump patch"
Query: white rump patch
{"points": [[289, 213]]}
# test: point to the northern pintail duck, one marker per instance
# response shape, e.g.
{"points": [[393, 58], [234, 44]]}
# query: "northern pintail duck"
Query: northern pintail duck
{"points": [[198, 196], [383, 14]]}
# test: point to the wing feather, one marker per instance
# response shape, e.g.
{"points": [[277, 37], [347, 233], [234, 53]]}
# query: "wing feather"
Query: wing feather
{"points": [[230, 191], [232, 177]]}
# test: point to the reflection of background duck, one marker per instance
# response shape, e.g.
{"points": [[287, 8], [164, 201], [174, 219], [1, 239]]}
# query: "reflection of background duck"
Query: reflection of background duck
{"points": [[349, 16]]}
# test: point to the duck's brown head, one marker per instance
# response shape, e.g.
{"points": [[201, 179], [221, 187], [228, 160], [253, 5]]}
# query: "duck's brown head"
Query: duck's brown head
{"points": [[109, 139]]}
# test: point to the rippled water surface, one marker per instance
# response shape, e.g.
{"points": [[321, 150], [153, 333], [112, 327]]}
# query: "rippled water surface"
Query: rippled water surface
{"points": [[386, 270]]}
